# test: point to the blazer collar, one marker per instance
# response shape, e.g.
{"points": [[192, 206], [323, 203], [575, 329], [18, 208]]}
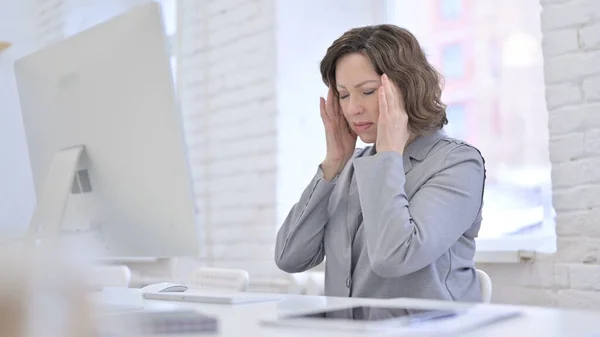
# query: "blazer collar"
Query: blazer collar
{"points": [[420, 146], [417, 149]]}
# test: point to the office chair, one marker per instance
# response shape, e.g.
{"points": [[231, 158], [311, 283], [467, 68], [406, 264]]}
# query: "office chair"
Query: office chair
{"points": [[110, 276], [485, 282], [220, 278]]}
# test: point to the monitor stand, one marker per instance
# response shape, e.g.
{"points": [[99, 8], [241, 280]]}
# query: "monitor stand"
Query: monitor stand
{"points": [[52, 201]]}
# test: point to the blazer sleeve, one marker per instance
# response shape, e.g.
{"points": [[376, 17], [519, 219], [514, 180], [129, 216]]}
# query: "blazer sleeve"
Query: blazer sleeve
{"points": [[403, 237], [299, 243]]}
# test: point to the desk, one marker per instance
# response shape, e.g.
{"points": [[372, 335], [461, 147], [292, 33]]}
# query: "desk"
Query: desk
{"points": [[243, 319]]}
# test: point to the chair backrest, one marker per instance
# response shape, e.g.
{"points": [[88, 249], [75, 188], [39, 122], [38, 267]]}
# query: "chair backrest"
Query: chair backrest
{"points": [[284, 284], [217, 278], [485, 282], [110, 276]]}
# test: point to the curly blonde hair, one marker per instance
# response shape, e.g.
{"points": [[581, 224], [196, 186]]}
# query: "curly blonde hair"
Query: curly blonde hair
{"points": [[397, 53]]}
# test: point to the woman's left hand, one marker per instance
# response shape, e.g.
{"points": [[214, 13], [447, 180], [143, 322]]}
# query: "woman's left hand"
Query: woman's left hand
{"points": [[392, 127]]}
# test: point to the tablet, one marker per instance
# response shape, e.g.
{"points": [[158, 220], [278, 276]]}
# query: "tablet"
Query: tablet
{"points": [[369, 318], [365, 317]]}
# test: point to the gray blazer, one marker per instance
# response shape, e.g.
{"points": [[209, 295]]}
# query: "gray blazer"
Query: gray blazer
{"points": [[392, 225]]}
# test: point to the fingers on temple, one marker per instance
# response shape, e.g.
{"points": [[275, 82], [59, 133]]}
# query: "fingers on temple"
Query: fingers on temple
{"points": [[383, 102], [322, 108], [389, 90]]}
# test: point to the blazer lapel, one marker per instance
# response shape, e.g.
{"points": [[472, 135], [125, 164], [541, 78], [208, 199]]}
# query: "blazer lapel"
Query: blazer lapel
{"points": [[407, 163], [352, 201], [339, 208], [353, 209], [419, 148]]}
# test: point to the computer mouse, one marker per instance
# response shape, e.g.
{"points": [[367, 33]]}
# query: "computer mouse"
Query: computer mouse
{"points": [[164, 287]]}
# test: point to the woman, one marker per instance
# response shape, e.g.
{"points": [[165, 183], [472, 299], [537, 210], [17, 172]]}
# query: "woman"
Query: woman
{"points": [[399, 218]]}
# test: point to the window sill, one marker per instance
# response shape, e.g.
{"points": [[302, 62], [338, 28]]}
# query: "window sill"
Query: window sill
{"points": [[514, 249]]}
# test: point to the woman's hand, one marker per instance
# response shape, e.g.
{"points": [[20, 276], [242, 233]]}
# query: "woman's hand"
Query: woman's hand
{"points": [[341, 140], [392, 126]]}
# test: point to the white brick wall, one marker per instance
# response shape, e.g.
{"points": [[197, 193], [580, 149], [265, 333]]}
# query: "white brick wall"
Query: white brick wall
{"points": [[571, 277], [227, 86], [82, 14], [50, 20]]}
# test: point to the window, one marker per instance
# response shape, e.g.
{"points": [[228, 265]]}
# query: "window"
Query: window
{"points": [[451, 9], [453, 61], [500, 109], [495, 54], [457, 124]]}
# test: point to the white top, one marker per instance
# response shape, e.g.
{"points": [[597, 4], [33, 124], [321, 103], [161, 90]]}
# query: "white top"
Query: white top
{"points": [[243, 319]]}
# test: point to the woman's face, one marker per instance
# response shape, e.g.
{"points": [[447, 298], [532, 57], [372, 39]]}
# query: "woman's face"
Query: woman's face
{"points": [[357, 83]]}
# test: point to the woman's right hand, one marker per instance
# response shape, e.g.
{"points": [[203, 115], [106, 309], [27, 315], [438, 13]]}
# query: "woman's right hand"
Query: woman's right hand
{"points": [[341, 140]]}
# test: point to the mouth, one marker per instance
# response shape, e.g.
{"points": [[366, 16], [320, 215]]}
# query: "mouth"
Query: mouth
{"points": [[362, 126]]}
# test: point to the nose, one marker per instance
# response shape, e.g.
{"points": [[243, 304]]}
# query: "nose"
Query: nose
{"points": [[355, 107]]}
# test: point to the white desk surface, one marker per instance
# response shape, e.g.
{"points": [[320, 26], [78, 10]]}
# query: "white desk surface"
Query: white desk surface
{"points": [[243, 319]]}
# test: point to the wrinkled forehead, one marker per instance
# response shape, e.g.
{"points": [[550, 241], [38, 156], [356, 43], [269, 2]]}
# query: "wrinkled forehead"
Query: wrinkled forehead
{"points": [[355, 70]]}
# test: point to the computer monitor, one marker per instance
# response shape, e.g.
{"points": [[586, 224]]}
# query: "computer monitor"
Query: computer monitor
{"points": [[106, 142]]}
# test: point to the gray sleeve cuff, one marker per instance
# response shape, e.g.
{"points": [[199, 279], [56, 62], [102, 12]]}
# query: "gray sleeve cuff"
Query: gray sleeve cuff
{"points": [[323, 180]]}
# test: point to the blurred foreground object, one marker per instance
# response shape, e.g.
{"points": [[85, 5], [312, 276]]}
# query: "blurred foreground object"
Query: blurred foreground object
{"points": [[4, 46], [42, 296], [13, 307]]}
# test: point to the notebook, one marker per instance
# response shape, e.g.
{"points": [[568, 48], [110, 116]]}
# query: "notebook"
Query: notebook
{"points": [[158, 323]]}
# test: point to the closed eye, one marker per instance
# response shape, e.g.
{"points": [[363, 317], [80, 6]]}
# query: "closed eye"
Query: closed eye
{"points": [[367, 93]]}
